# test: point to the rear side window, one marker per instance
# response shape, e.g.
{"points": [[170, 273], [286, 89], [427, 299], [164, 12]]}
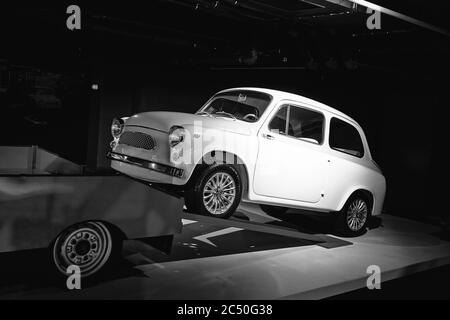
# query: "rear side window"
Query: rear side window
{"points": [[345, 138]]}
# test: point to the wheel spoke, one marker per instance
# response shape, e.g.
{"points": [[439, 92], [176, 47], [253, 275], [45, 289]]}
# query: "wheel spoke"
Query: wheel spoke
{"points": [[225, 199], [219, 193], [229, 183], [357, 214], [211, 201], [228, 189]]}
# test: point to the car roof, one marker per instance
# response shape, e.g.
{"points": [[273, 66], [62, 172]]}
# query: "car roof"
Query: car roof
{"points": [[279, 95]]}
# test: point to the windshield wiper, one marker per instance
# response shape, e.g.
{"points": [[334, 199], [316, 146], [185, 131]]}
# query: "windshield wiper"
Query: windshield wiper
{"points": [[226, 114]]}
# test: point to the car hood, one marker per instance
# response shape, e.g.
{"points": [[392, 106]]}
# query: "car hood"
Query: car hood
{"points": [[163, 120]]}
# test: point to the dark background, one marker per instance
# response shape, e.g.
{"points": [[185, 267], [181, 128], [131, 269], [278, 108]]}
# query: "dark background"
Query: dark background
{"points": [[174, 54]]}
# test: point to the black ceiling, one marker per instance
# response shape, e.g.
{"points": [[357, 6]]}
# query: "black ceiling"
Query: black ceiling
{"points": [[221, 33]]}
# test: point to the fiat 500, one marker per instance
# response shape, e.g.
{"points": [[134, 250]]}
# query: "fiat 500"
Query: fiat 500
{"points": [[273, 148]]}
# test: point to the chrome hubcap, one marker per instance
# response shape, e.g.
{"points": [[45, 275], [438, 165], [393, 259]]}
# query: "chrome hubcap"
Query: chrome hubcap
{"points": [[88, 246], [219, 193], [357, 214], [83, 247]]}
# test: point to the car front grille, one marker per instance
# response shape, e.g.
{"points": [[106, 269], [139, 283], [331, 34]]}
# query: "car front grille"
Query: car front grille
{"points": [[137, 140]]}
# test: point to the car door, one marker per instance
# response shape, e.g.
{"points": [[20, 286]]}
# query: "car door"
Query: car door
{"points": [[291, 162]]}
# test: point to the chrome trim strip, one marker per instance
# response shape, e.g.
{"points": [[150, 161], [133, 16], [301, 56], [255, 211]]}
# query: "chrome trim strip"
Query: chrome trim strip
{"points": [[161, 168], [144, 127]]}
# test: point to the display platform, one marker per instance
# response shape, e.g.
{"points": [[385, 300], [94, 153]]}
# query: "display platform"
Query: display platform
{"points": [[249, 256], [35, 209]]}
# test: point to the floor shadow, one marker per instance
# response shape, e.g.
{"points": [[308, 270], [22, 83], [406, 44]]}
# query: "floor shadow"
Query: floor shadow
{"points": [[314, 223], [32, 269], [27, 270], [306, 222], [375, 222], [443, 234], [193, 245]]}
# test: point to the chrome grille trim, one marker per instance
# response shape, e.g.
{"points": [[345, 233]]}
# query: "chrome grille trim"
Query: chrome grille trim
{"points": [[138, 140]]}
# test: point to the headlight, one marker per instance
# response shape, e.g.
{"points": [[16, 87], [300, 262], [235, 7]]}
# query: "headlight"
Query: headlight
{"points": [[176, 135], [117, 127]]}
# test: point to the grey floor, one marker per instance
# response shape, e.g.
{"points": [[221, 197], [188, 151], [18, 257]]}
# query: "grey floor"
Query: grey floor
{"points": [[251, 256]]}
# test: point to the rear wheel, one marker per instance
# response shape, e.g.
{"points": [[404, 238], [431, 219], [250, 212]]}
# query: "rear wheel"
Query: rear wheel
{"points": [[216, 192], [92, 246], [354, 216]]}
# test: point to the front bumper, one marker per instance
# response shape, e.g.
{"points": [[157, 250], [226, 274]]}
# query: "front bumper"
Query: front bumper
{"points": [[158, 167]]}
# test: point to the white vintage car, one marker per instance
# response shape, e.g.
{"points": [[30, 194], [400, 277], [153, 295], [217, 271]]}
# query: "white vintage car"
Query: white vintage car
{"points": [[273, 148]]}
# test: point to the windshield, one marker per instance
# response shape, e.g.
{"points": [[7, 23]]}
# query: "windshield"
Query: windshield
{"points": [[240, 105]]}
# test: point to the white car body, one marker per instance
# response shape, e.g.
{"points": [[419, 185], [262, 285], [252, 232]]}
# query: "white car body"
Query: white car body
{"points": [[280, 170]]}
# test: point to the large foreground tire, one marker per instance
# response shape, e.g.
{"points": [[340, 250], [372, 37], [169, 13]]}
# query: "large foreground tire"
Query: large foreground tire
{"points": [[216, 191], [354, 217], [93, 246]]}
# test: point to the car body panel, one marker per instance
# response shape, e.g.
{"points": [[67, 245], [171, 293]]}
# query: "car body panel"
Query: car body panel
{"points": [[284, 171]]}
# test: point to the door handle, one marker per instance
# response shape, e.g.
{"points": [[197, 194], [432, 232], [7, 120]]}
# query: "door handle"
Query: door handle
{"points": [[268, 136]]}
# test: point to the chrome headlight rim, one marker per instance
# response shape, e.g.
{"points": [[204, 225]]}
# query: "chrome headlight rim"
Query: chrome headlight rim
{"points": [[176, 135], [117, 126]]}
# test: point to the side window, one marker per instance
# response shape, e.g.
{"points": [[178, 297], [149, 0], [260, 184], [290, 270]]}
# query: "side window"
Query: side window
{"points": [[306, 124], [278, 122], [345, 138]]}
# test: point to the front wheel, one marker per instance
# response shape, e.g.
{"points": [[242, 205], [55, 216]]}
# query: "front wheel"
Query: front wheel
{"points": [[217, 191], [93, 246], [354, 216]]}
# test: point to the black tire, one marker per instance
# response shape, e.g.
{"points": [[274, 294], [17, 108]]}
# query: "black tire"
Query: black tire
{"points": [[189, 201], [194, 197], [93, 246], [273, 210], [346, 225]]}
